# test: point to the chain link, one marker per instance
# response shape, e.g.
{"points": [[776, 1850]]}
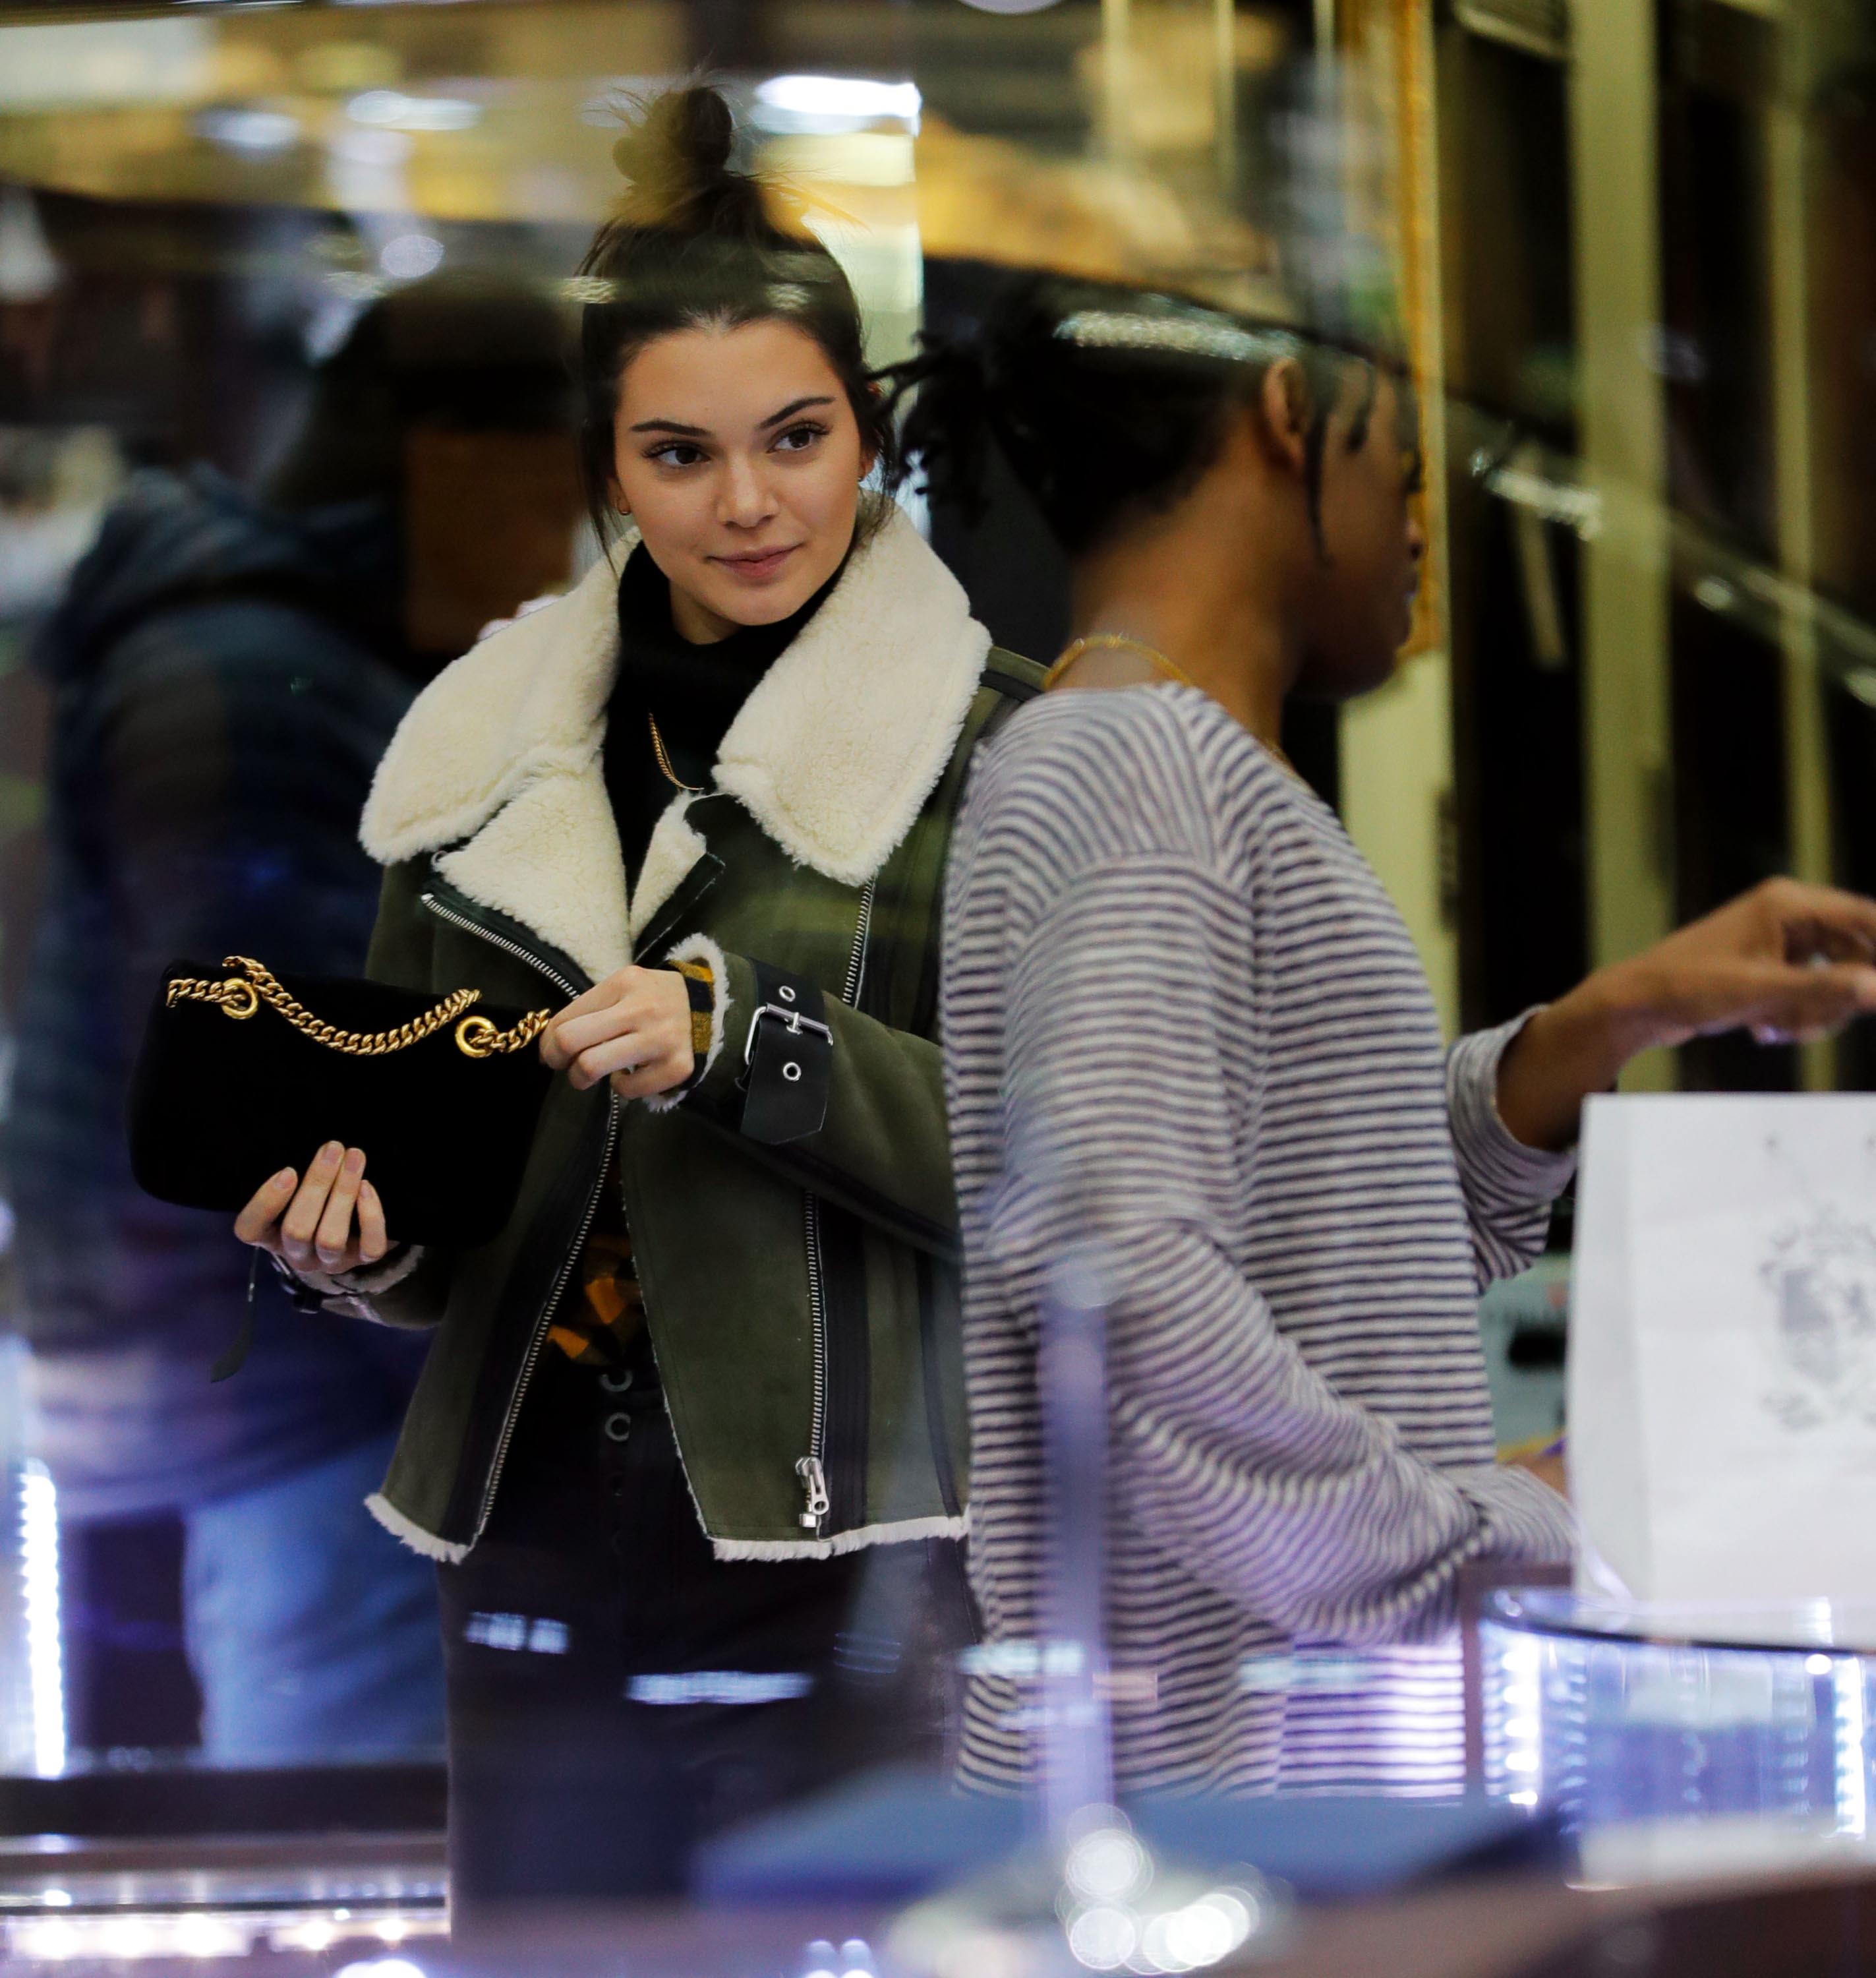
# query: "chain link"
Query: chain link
{"points": [[240, 996], [664, 761]]}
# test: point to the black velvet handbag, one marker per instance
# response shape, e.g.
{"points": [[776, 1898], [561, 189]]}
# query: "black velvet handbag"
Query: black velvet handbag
{"points": [[242, 1073]]}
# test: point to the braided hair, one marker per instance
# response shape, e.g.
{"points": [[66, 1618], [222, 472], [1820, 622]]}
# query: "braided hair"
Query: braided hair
{"points": [[1109, 403]]}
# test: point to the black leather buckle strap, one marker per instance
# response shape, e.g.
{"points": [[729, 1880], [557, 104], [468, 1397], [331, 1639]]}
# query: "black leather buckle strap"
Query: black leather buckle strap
{"points": [[789, 1058]]}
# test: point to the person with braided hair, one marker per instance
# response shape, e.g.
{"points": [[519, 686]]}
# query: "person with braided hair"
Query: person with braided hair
{"points": [[1197, 1081], [689, 1444]]}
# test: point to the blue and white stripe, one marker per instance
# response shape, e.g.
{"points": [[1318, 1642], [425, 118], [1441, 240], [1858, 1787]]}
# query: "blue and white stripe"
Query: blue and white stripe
{"points": [[1189, 1046]]}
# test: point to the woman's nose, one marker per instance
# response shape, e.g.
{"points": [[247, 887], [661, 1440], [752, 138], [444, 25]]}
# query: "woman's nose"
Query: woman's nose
{"points": [[745, 500]]}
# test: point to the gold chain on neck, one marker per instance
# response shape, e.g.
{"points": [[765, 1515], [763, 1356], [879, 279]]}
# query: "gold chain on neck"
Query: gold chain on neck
{"points": [[1117, 642], [664, 761], [1126, 642]]}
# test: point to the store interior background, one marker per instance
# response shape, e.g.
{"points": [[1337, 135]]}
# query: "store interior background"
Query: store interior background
{"points": [[1634, 248]]}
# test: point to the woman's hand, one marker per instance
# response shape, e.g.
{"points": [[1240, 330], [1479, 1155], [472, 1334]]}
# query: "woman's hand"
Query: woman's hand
{"points": [[1787, 961], [634, 1028], [331, 1221]]}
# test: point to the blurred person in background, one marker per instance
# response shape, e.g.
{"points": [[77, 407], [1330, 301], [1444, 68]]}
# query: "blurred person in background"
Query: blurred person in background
{"points": [[1194, 1066], [225, 670], [698, 1402]]}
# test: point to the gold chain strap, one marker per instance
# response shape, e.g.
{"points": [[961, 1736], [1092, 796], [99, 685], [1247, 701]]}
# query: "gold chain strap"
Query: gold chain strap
{"points": [[240, 996]]}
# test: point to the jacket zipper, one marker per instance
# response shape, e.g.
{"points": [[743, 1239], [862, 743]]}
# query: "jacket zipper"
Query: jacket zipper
{"points": [[812, 1469], [857, 963], [545, 1317]]}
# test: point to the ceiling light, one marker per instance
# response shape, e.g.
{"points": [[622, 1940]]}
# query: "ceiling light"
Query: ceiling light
{"points": [[391, 109], [816, 102]]}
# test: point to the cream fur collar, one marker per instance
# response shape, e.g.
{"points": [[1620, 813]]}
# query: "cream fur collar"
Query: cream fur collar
{"points": [[833, 754]]}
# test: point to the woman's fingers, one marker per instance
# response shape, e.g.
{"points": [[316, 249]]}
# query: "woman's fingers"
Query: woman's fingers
{"points": [[555, 1051], [299, 1226], [644, 1020], [627, 1053], [333, 1240], [605, 1009], [373, 1243], [663, 1074], [577, 1035], [601, 1060], [310, 1222], [635, 1001], [256, 1222]]}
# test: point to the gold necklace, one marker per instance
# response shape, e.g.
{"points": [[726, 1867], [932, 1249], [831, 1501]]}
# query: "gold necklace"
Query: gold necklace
{"points": [[1126, 642], [664, 761], [1117, 642]]}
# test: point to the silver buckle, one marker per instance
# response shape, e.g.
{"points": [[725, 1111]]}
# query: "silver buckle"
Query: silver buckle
{"points": [[795, 1021]]}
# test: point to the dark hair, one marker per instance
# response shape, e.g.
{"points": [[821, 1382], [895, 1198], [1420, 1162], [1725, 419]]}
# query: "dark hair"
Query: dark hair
{"points": [[1109, 403], [695, 244]]}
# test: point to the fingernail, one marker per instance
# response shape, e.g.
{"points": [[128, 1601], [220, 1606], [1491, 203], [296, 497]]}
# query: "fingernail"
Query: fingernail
{"points": [[354, 1161], [330, 1151], [281, 1178]]}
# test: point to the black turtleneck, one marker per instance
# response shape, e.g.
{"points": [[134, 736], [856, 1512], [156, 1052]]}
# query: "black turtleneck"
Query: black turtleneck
{"points": [[694, 693]]}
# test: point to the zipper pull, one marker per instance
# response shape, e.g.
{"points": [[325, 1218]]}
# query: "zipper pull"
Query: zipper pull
{"points": [[814, 1482]]}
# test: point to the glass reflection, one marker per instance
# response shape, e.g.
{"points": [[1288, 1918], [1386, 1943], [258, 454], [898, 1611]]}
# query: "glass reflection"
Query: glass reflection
{"points": [[285, 424]]}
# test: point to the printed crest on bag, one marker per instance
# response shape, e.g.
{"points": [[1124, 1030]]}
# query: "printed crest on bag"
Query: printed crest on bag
{"points": [[1722, 1347]]}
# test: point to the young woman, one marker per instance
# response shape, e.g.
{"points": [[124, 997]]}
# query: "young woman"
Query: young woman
{"points": [[702, 804], [1193, 1058]]}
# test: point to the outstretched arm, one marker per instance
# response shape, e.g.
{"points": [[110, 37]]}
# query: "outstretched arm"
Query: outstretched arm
{"points": [[1787, 961]]}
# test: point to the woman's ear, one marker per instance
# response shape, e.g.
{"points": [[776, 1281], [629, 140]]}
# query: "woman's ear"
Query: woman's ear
{"points": [[615, 495]]}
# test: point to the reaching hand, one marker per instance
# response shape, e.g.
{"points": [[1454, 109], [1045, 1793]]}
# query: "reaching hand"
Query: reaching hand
{"points": [[634, 1027], [1787, 961], [310, 1225]]}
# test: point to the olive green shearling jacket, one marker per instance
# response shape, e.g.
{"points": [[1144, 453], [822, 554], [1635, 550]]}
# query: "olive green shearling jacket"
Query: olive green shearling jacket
{"points": [[792, 1219]]}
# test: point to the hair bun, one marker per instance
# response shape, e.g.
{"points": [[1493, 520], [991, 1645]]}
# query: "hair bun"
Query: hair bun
{"points": [[674, 154], [705, 132]]}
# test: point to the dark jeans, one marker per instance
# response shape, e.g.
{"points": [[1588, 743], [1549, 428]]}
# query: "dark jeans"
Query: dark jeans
{"points": [[617, 1694]]}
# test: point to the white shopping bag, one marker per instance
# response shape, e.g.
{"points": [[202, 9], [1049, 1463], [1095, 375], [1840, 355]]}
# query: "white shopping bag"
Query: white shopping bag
{"points": [[1722, 1346]]}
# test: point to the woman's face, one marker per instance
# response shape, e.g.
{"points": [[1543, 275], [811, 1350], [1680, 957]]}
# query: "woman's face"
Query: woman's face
{"points": [[738, 456]]}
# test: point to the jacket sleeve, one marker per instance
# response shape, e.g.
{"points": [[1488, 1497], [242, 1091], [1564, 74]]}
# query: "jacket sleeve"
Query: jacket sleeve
{"points": [[1508, 1187], [881, 1149], [1126, 1160]]}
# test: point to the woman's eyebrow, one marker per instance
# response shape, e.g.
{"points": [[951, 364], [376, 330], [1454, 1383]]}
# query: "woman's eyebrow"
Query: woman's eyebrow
{"points": [[789, 411], [703, 432]]}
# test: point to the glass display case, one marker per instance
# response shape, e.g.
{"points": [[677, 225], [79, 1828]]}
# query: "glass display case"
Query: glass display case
{"points": [[1605, 1714]]}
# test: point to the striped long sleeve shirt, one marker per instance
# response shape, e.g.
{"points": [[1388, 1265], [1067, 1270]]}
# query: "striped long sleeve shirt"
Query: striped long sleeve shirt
{"points": [[1190, 1047]]}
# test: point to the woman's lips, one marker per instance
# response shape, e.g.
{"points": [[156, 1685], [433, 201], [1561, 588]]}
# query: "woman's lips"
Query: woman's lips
{"points": [[757, 566]]}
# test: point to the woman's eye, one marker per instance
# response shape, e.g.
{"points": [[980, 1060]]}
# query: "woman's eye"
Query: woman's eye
{"points": [[676, 453], [798, 439]]}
